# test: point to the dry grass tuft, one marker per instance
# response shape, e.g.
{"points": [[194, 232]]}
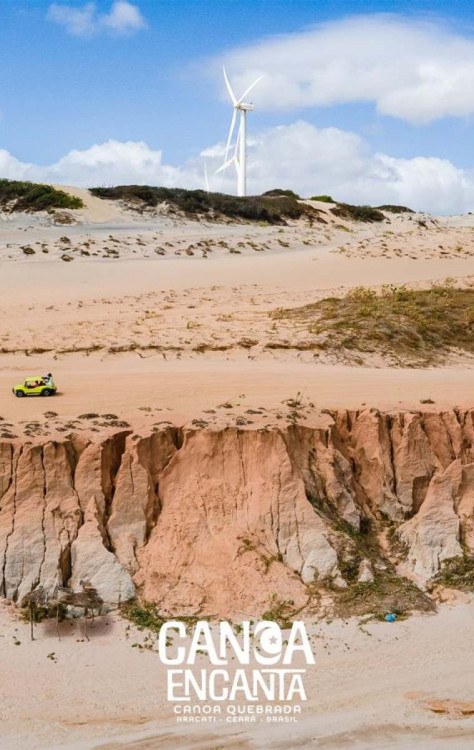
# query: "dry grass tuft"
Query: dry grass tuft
{"points": [[411, 326]]}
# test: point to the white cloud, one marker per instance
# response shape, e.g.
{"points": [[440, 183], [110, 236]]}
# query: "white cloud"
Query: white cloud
{"points": [[298, 156], [123, 18], [77, 21], [109, 163], [13, 169], [411, 69], [114, 163]]}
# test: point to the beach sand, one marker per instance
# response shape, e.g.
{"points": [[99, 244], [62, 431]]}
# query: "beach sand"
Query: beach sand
{"points": [[378, 685]]}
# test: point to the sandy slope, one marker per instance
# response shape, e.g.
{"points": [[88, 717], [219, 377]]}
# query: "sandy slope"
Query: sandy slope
{"points": [[107, 694]]}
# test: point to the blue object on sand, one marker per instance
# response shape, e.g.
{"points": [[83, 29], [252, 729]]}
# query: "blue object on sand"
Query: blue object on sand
{"points": [[390, 617]]}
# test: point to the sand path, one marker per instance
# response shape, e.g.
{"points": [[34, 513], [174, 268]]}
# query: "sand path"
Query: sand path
{"points": [[184, 389]]}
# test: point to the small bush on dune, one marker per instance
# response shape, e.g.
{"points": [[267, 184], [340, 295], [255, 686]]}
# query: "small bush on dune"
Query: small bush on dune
{"points": [[323, 198], [278, 191], [29, 196], [357, 213], [361, 213], [395, 209]]}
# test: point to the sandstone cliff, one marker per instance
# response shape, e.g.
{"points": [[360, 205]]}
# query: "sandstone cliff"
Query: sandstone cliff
{"points": [[225, 522]]}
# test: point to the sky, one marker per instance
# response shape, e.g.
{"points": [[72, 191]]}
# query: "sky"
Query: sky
{"points": [[371, 102]]}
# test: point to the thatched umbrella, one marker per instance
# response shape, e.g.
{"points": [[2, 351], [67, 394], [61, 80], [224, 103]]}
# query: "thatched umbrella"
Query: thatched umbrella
{"points": [[87, 599]]}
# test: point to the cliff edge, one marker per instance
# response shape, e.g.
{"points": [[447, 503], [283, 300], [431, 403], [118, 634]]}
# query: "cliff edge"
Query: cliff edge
{"points": [[231, 522]]}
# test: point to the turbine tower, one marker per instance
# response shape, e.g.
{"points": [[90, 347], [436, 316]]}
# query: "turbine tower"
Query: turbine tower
{"points": [[240, 150]]}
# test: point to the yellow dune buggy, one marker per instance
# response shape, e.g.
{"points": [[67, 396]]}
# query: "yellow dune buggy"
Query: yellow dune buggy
{"points": [[35, 386]]}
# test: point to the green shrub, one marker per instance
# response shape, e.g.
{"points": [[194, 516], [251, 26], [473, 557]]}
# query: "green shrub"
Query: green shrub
{"points": [[30, 196], [357, 213], [144, 615], [395, 209], [323, 198], [276, 192]]}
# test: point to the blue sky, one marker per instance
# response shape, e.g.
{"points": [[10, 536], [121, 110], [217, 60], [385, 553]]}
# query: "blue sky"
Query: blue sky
{"points": [[159, 82], [61, 92]]}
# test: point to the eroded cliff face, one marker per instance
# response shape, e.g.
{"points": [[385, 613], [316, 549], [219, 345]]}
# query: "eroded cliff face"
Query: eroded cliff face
{"points": [[222, 522]]}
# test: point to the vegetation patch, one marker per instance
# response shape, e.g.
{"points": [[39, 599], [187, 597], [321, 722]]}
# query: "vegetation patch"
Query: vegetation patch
{"points": [[395, 209], [278, 191], [408, 326], [145, 616], [270, 209], [281, 611], [387, 593], [361, 213], [457, 573], [357, 213], [30, 196], [323, 198]]}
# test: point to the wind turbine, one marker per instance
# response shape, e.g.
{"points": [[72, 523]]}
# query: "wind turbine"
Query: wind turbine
{"points": [[240, 151]]}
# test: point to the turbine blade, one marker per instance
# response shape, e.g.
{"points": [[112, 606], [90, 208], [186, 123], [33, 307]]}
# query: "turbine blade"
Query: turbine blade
{"points": [[247, 91], [231, 133], [229, 87], [225, 165]]}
